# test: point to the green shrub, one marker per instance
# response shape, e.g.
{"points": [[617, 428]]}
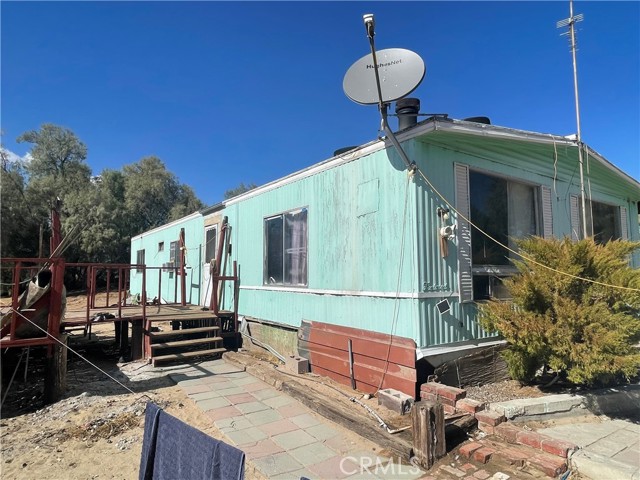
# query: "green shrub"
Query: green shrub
{"points": [[587, 331]]}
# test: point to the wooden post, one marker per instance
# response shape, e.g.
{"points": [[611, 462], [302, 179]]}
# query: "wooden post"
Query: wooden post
{"points": [[55, 373], [122, 337], [137, 339], [182, 273], [427, 420]]}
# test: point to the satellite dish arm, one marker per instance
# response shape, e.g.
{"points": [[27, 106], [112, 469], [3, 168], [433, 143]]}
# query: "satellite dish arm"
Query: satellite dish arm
{"points": [[369, 24]]}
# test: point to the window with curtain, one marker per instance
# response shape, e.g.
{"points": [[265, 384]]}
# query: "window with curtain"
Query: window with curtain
{"points": [[506, 210], [285, 248]]}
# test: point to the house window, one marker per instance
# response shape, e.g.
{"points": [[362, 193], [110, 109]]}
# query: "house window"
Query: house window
{"points": [[604, 222], [174, 257], [285, 248], [211, 243], [161, 246], [507, 211], [139, 260]]}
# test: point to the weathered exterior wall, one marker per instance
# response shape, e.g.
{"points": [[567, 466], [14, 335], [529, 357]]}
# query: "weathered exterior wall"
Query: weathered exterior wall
{"points": [[194, 227], [355, 237]]}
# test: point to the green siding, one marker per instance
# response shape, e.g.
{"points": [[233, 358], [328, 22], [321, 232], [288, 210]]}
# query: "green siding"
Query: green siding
{"points": [[194, 235]]}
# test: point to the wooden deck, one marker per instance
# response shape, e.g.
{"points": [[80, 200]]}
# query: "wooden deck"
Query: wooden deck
{"points": [[155, 313]]}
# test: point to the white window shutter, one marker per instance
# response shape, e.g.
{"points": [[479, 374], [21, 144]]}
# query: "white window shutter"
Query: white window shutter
{"points": [[575, 218], [465, 276], [624, 218], [547, 213]]}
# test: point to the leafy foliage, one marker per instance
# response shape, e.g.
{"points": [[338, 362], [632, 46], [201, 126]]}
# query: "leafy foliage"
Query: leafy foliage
{"points": [[106, 210], [587, 330], [239, 190]]}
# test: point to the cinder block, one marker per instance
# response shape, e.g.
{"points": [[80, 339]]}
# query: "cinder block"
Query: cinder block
{"points": [[296, 364], [395, 400]]}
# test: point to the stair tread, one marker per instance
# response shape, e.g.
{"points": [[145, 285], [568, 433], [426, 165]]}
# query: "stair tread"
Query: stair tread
{"points": [[184, 331], [182, 317], [184, 343], [179, 356]]}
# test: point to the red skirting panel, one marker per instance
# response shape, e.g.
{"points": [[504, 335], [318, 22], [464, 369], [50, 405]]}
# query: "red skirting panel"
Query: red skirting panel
{"points": [[327, 348]]}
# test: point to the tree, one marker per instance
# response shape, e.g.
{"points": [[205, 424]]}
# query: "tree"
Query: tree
{"points": [[55, 150], [584, 330], [153, 194], [19, 232], [239, 190]]}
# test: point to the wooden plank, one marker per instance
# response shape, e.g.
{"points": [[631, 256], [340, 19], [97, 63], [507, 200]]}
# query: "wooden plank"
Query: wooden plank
{"points": [[182, 356], [364, 361], [346, 417], [186, 331], [402, 385], [364, 342], [185, 343]]}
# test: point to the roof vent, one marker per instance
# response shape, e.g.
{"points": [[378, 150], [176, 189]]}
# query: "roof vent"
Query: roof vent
{"points": [[342, 150], [407, 110], [484, 120]]}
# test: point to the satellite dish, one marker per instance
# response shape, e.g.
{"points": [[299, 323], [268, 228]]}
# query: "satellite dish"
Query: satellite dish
{"points": [[400, 71]]}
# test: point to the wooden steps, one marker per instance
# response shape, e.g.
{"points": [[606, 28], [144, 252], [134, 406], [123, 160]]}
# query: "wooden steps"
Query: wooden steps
{"points": [[185, 343], [184, 337], [181, 356], [174, 333]]}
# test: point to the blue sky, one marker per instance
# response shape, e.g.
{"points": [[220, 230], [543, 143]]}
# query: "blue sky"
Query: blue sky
{"points": [[230, 92]]}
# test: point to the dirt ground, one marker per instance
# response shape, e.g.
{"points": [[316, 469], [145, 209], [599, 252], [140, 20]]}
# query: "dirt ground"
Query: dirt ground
{"points": [[96, 431]]}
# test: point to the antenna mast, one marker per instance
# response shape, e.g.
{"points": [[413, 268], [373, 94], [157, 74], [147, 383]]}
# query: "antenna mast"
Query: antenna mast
{"points": [[571, 21]]}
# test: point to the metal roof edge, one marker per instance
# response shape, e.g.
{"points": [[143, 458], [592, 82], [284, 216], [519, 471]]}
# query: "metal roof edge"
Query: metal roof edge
{"points": [[512, 133], [332, 162], [167, 225]]}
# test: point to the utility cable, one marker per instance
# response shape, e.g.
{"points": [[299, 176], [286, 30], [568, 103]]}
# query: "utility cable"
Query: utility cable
{"points": [[525, 257], [73, 351], [396, 305]]}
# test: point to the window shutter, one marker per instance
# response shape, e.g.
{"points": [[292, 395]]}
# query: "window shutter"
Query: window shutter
{"points": [[547, 213], [465, 276], [575, 217], [624, 217]]}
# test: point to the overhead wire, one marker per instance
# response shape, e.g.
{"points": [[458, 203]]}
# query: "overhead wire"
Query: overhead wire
{"points": [[396, 305], [73, 351], [520, 254]]}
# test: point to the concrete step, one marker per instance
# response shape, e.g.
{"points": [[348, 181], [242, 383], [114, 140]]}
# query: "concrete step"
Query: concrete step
{"points": [[185, 355], [185, 343], [184, 331]]}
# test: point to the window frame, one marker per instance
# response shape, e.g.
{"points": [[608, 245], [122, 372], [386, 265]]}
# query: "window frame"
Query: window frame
{"points": [[140, 254], [174, 256], [493, 274], [265, 252], [618, 227], [206, 243]]}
